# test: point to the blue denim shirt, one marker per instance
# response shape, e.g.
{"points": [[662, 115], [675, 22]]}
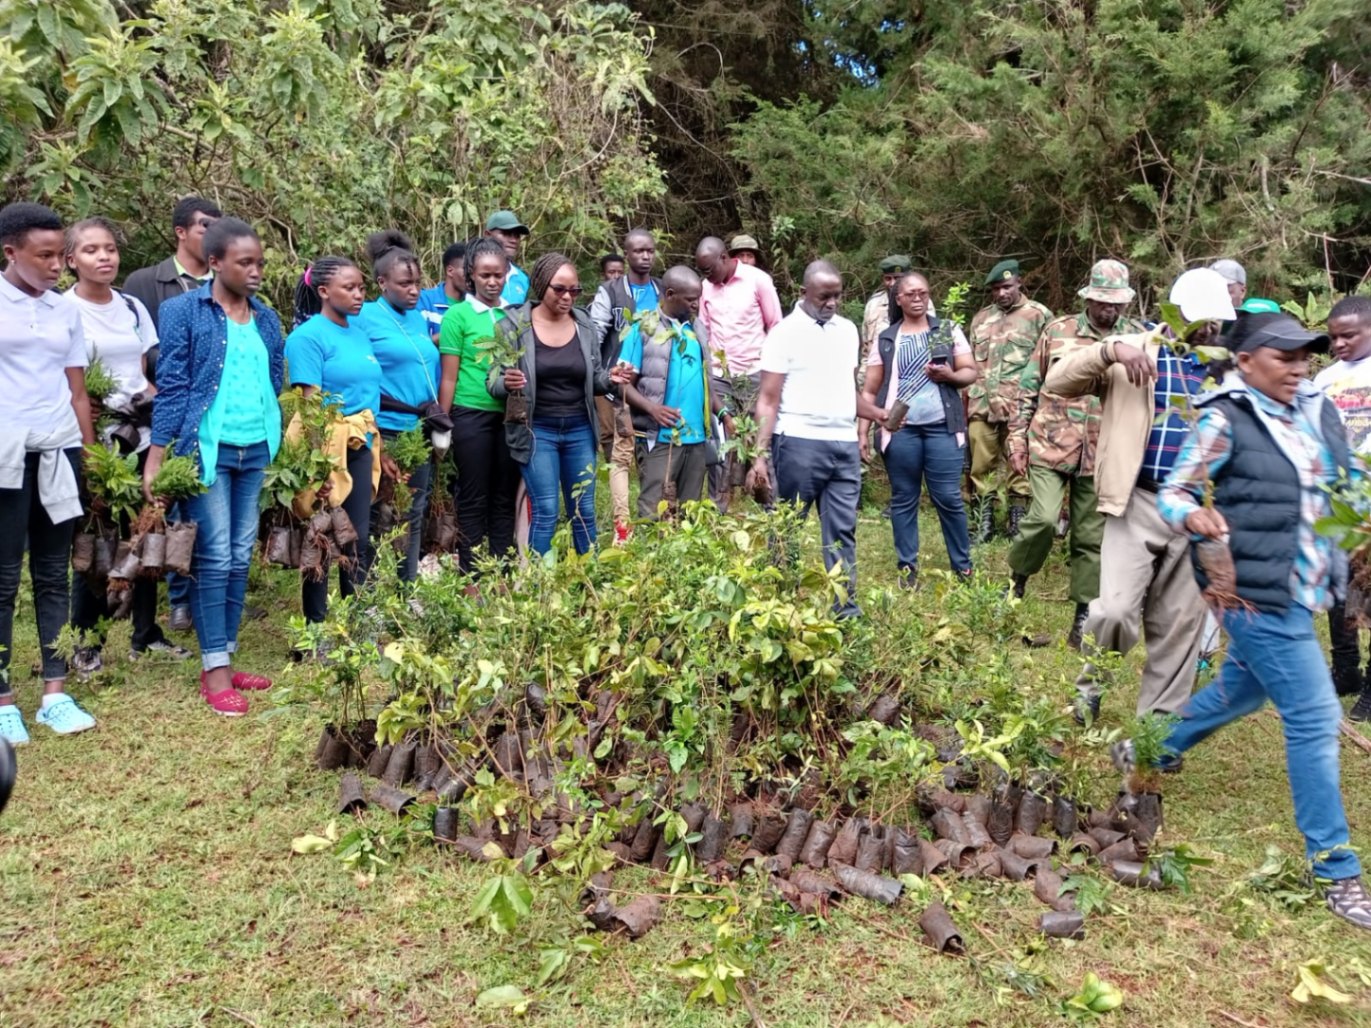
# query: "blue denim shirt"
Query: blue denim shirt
{"points": [[194, 341]]}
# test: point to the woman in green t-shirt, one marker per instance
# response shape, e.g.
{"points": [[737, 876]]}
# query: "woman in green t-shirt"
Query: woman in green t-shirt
{"points": [[487, 476]]}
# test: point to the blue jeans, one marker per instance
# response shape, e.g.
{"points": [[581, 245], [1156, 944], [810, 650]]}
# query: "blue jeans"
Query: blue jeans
{"points": [[1278, 657], [227, 517], [562, 468], [927, 453]]}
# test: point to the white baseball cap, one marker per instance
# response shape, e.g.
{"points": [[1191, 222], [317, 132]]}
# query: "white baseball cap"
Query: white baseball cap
{"points": [[1202, 295]]}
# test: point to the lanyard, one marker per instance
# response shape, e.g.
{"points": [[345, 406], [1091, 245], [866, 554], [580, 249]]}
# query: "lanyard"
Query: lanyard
{"points": [[433, 390]]}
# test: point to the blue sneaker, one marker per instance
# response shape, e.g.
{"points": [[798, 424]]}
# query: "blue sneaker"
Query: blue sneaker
{"points": [[12, 728], [64, 717]]}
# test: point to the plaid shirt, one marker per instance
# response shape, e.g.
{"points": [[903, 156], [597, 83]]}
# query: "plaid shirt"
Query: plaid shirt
{"points": [[1296, 431], [1176, 376]]}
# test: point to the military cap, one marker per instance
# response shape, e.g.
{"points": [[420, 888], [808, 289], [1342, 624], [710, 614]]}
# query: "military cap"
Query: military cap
{"points": [[1003, 272], [896, 263]]}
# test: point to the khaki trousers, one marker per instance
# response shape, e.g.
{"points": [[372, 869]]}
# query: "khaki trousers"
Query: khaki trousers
{"points": [[1147, 586], [616, 440], [990, 462]]}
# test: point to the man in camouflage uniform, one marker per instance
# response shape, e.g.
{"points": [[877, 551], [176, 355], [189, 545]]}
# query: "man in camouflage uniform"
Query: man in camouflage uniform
{"points": [[876, 317], [1053, 438], [1003, 334]]}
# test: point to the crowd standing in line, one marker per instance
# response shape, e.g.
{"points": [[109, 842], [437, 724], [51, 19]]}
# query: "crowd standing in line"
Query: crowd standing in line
{"points": [[663, 375]]}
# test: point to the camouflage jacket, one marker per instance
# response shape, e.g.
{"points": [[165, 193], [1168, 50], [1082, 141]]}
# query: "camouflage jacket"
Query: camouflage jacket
{"points": [[1002, 342], [1058, 432]]}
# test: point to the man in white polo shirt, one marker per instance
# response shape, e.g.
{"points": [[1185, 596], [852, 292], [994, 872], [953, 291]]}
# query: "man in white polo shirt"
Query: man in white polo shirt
{"points": [[807, 417]]}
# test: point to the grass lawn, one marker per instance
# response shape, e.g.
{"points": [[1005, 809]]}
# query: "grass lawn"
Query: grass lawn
{"points": [[148, 879]]}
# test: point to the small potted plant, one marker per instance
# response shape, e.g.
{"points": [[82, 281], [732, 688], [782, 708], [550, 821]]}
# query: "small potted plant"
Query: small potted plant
{"points": [[158, 544]]}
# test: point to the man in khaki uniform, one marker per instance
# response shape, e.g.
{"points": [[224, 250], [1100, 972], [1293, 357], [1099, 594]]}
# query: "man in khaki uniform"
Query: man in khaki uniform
{"points": [[1053, 439], [876, 317], [1003, 334]]}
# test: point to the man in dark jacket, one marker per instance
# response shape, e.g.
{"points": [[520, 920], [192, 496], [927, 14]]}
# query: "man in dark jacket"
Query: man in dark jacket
{"points": [[616, 303], [184, 271]]}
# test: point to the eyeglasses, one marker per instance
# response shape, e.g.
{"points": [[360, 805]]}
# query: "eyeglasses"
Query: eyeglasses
{"points": [[566, 290]]}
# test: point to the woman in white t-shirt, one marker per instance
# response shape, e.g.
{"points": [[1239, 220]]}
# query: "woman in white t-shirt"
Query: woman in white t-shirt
{"points": [[922, 363], [119, 333]]}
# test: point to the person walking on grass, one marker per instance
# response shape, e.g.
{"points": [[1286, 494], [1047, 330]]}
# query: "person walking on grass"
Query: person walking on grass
{"points": [[807, 418], [221, 369], [1271, 450], [1003, 334], [1053, 439], [921, 364], [120, 333], [1146, 587], [616, 304], [1347, 382], [670, 398], [44, 421]]}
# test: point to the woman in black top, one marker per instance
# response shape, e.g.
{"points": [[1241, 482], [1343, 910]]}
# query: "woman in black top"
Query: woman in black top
{"points": [[559, 369]]}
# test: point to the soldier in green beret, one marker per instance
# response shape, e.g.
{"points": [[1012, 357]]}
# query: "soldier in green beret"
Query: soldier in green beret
{"points": [[1003, 334], [1053, 438], [876, 318]]}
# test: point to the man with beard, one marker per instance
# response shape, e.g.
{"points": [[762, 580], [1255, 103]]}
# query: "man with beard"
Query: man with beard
{"points": [[1003, 334], [1052, 439]]}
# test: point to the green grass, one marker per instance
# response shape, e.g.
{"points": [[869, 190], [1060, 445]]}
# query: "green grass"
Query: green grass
{"points": [[148, 879]]}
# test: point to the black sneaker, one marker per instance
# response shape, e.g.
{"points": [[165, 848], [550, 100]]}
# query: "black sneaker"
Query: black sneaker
{"points": [[87, 660], [1348, 899], [1077, 633], [1087, 708], [161, 646], [1361, 710]]}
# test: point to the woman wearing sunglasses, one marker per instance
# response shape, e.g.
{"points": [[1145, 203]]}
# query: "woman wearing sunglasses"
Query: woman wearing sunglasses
{"points": [[560, 375]]}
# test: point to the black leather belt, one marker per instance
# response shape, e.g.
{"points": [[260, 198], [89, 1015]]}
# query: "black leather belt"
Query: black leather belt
{"points": [[1149, 485]]}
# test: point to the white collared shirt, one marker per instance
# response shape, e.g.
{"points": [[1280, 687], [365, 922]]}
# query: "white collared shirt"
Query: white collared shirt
{"points": [[40, 337], [819, 362]]}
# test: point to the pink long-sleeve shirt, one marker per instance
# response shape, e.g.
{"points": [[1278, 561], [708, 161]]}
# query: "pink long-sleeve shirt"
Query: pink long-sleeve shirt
{"points": [[739, 314]]}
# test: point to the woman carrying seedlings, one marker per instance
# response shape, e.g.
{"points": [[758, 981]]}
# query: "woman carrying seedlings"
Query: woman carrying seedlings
{"points": [[44, 420], [119, 332], [218, 375], [1269, 447], [409, 365], [331, 354], [487, 476], [558, 371], [918, 365]]}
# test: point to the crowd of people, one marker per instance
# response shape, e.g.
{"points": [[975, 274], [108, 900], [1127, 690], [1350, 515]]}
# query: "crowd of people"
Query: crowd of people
{"points": [[702, 383]]}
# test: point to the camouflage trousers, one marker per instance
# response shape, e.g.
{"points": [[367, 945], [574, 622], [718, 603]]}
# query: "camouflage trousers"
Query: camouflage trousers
{"points": [[1038, 530], [990, 462]]}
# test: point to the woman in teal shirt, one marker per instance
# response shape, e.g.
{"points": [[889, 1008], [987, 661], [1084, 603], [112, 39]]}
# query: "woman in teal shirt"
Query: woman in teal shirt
{"points": [[330, 353], [409, 365]]}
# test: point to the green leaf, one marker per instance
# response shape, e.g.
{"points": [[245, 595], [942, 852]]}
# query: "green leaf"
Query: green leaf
{"points": [[510, 996]]}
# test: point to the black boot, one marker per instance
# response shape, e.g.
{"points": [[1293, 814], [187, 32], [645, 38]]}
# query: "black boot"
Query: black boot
{"points": [[1361, 710], [1016, 513], [1020, 583], [1347, 676], [1077, 632], [986, 516]]}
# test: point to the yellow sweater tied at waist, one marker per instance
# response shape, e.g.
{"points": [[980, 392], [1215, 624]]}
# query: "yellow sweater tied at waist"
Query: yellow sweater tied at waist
{"points": [[346, 433]]}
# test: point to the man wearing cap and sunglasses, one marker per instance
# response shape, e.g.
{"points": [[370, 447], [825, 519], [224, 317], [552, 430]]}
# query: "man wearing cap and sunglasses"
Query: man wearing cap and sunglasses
{"points": [[507, 230], [1146, 587], [1271, 451], [1053, 438], [1003, 334]]}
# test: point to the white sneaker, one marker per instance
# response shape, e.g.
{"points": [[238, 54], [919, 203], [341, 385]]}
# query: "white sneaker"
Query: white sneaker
{"points": [[64, 717], [12, 728]]}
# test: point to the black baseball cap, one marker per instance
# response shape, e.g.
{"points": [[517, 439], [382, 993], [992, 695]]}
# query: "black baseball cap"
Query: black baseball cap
{"points": [[1277, 331]]}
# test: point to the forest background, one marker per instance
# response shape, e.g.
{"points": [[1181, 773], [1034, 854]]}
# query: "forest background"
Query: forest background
{"points": [[1160, 132]]}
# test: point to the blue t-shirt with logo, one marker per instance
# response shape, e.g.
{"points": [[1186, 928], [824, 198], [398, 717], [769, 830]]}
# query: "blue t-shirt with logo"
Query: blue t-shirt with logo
{"points": [[433, 304], [685, 382], [516, 287], [337, 360], [408, 359], [644, 296]]}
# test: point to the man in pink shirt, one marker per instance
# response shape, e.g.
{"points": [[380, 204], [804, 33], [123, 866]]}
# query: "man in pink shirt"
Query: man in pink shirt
{"points": [[739, 306]]}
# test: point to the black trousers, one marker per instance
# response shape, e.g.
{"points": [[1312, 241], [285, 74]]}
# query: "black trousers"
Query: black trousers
{"points": [[314, 595], [23, 520], [1345, 643], [487, 482]]}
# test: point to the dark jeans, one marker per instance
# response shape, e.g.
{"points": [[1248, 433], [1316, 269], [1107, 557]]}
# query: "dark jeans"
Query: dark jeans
{"points": [[226, 518], [919, 454], [178, 586], [487, 482], [827, 474], [23, 519], [1345, 644], [88, 606], [683, 465], [314, 595], [419, 484], [562, 468]]}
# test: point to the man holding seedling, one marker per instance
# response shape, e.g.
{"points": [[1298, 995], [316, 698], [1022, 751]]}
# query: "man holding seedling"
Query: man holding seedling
{"points": [[1003, 334], [1146, 585], [1053, 437]]}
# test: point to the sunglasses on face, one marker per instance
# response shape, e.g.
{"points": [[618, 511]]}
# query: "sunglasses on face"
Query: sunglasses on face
{"points": [[566, 290]]}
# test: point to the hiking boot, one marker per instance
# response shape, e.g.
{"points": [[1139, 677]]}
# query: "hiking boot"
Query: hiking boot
{"points": [[1361, 710], [1017, 586], [1011, 528], [1347, 678], [1348, 899], [985, 529], [1077, 633]]}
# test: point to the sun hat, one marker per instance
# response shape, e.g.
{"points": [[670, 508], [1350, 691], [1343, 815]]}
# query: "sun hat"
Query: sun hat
{"points": [[742, 242], [1108, 283]]}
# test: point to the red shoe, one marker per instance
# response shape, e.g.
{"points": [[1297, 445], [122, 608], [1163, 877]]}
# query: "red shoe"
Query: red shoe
{"points": [[623, 532], [227, 702], [243, 680]]}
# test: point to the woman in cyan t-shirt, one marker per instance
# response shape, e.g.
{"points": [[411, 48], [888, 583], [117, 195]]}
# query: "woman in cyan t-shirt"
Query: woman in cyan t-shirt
{"points": [[331, 354], [487, 476], [119, 333], [218, 375]]}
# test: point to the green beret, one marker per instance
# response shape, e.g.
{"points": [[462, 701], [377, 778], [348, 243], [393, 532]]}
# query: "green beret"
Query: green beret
{"points": [[896, 263], [1002, 271]]}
